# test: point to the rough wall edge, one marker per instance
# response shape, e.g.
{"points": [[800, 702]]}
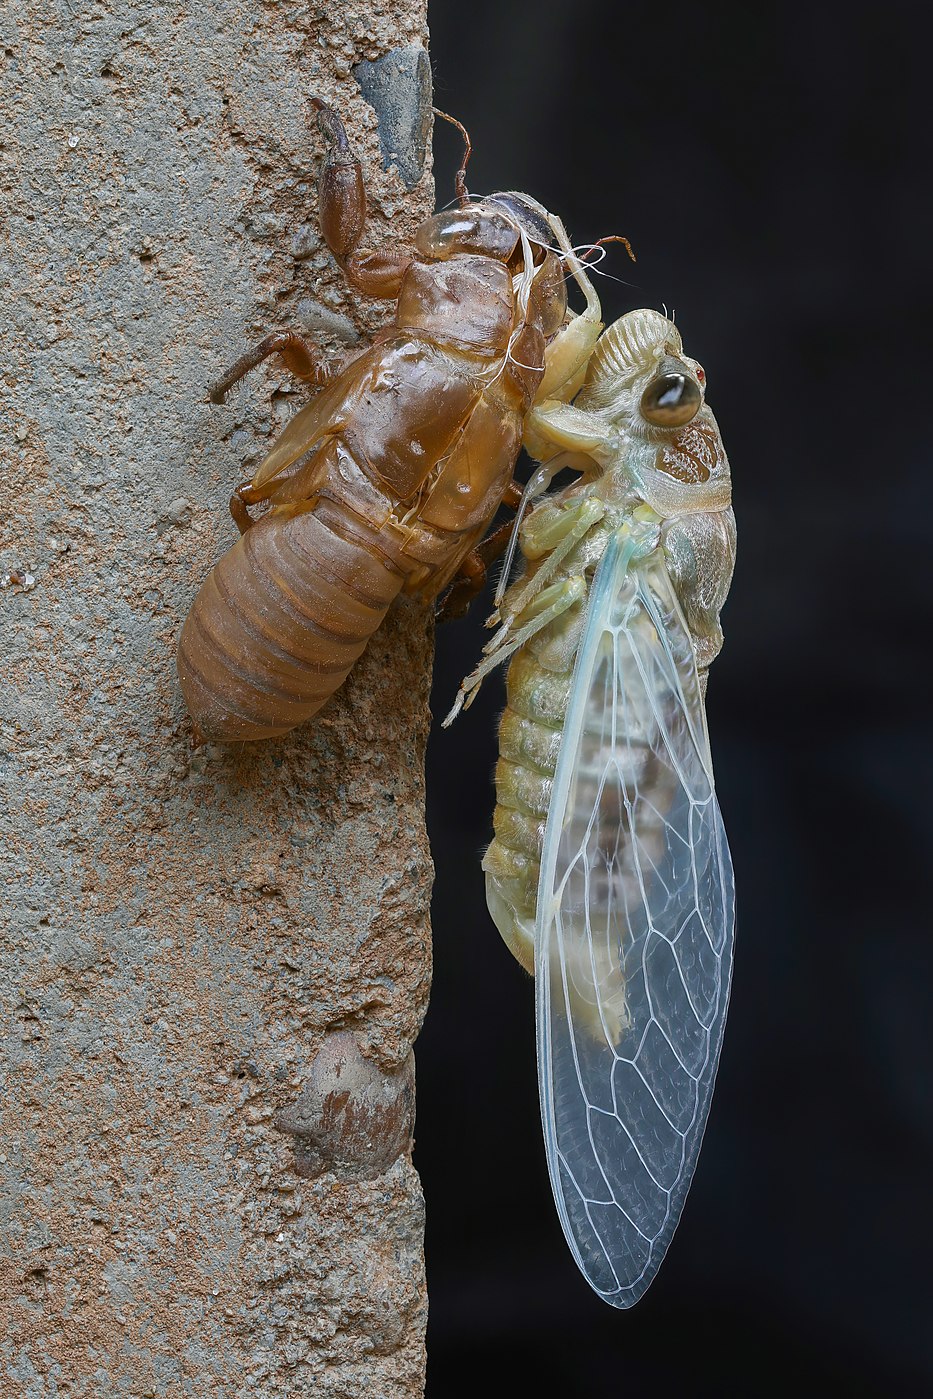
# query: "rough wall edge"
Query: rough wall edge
{"points": [[185, 932]]}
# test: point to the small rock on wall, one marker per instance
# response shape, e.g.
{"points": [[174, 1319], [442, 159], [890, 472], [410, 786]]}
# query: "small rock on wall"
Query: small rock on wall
{"points": [[351, 1118]]}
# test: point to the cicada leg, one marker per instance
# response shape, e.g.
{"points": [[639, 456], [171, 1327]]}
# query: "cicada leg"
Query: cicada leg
{"points": [[299, 356], [554, 535], [342, 200], [547, 606], [474, 570], [342, 194], [247, 494], [553, 427], [535, 602]]}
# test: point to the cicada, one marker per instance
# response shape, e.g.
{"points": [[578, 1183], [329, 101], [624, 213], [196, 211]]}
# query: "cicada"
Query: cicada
{"points": [[609, 876]]}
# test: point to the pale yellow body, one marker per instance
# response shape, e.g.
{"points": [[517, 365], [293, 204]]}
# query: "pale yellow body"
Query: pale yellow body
{"points": [[636, 477]]}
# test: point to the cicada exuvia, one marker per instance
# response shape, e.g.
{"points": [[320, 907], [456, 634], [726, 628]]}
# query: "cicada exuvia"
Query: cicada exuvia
{"points": [[387, 479]]}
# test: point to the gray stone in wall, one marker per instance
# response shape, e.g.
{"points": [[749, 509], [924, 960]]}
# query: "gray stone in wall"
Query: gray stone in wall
{"points": [[398, 88]]}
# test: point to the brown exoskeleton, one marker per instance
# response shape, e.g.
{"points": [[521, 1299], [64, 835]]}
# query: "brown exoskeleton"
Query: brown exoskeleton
{"points": [[389, 477]]}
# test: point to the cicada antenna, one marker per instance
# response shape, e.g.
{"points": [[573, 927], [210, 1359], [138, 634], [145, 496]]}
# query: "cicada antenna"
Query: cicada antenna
{"points": [[460, 184], [610, 238]]}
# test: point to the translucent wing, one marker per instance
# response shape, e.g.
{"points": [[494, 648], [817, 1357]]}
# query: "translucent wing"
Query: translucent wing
{"points": [[633, 940]]}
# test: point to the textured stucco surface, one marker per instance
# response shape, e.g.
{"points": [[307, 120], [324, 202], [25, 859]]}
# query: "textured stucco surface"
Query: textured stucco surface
{"points": [[180, 932]]}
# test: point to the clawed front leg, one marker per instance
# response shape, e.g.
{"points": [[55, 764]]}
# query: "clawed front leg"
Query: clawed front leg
{"points": [[342, 200], [553, 427], [342, 195]]}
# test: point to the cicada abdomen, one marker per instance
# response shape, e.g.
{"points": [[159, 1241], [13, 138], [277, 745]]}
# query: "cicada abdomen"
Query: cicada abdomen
{"points": [[387, 479], [609, 875], [279, 622]]}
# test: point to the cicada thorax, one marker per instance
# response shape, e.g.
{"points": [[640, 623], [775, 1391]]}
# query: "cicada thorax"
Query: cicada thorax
{"points": [[681, 471], [379, 488]]}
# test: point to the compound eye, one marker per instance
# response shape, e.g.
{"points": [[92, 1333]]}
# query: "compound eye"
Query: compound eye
{"points": [[672, 399]]}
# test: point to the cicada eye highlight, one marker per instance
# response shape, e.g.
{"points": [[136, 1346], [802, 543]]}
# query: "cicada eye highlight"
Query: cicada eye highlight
{"points": [[671, 400]]}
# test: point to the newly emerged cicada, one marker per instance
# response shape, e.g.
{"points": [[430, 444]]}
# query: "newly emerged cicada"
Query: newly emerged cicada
{"points": [[609, 876]]}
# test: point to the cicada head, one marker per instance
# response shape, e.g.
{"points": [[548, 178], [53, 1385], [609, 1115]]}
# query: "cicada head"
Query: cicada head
{"points": [[640, 380], [492, 227], [527, 213], [627, 359]]}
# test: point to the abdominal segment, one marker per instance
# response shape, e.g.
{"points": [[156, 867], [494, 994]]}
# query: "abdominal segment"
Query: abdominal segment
{"points": [[529, 741], [277, 625]]}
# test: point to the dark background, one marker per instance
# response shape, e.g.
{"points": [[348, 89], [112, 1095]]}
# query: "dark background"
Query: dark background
{"points": [[769, 165]]}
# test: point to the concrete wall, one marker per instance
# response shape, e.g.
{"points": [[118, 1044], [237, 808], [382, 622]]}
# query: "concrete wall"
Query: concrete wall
{"points": [[183, 935]]}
